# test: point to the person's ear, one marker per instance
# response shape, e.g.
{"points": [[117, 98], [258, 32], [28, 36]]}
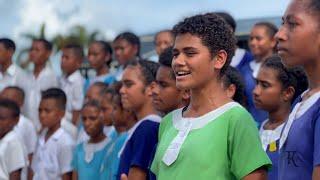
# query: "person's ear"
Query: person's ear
{"points": [[288, 94], [231, 91], [150, 88], [220, 59]]}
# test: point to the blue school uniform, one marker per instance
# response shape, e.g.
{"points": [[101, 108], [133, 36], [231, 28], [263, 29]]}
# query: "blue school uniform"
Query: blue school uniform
{"points": [[87, 159], [107, 79], [270, 143], [299, 142], [110, 165], [250, 83], [240, 58], [139, 148]]}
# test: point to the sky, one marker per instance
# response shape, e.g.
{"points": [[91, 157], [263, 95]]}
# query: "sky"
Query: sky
{"points": [[114, 16]]}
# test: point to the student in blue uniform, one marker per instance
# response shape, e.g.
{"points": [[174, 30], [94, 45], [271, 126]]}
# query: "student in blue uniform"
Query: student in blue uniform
{"points": [[298, 45], [100, 58], [261, 44], [136, 95], [241, 56], [277, 87], [88, 156]]}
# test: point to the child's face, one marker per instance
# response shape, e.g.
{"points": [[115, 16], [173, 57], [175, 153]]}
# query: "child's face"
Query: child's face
{"points": [[38, 53], [69, 61], [7, 121], [50, 114], [268, 94], [5, 54], [163, 41], [93, 93], [97, 56], [133, 90], [299, 36], [119, 116], [106, 110], [166, 96], [13, 95], [92, 121], [260, 43], [124, 51], [192, 62]]}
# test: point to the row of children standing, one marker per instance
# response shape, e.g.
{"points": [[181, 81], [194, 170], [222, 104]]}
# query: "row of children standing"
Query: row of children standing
{"points": [[147, 91]]}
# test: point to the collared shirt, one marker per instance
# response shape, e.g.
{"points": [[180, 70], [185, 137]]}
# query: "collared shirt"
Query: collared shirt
{"points": [[13, 155], [72, 85], [15, 76], [53, 157], [45, 80]]}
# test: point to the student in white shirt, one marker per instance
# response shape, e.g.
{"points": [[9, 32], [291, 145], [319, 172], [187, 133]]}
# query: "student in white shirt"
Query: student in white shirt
{"points": [[42, 77], [24, 128], [10, 73], [53, 156], [12, 152], [72, 82]]}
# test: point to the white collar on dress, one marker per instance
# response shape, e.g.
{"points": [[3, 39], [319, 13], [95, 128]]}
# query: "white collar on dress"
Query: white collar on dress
{"points": [[179, 122]]}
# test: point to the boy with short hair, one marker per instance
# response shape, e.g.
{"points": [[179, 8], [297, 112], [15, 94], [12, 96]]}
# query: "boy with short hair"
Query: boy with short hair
{"points": [[24, 128], [10, 73], [42, 77], [13, 156], [72, 84], [53, 156]]}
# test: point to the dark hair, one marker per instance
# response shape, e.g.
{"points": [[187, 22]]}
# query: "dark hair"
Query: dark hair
{"points": [[116, 96], [213, 31], [101, 85], [48, 45], [76, 49], [92, 103], [131, 38], [164, 31], [18, 89], [12, 106], [148, 69], [229, 19], [314, 6], [270, 28], [8, 44], [57, 94], [294, 77], [107, 49], [233, 76], [165, 59]]}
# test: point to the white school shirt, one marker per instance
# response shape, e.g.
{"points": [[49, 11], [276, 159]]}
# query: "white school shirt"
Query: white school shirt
{"points": [[13, 155], [27, 133], [255, 66], [73, 87], [53, 157], [45, 80], [15, 76]]}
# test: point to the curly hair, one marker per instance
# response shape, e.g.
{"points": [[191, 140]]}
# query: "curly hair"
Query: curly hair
{"points": [[294, 77], [214, 32]]}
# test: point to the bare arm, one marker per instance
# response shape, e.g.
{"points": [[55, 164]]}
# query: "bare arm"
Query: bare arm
{"points": [[258, 174], [74, 175], [75, 117], [15, 175], [316, 173], [30, 172], [136, 173], [67, 176]]}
